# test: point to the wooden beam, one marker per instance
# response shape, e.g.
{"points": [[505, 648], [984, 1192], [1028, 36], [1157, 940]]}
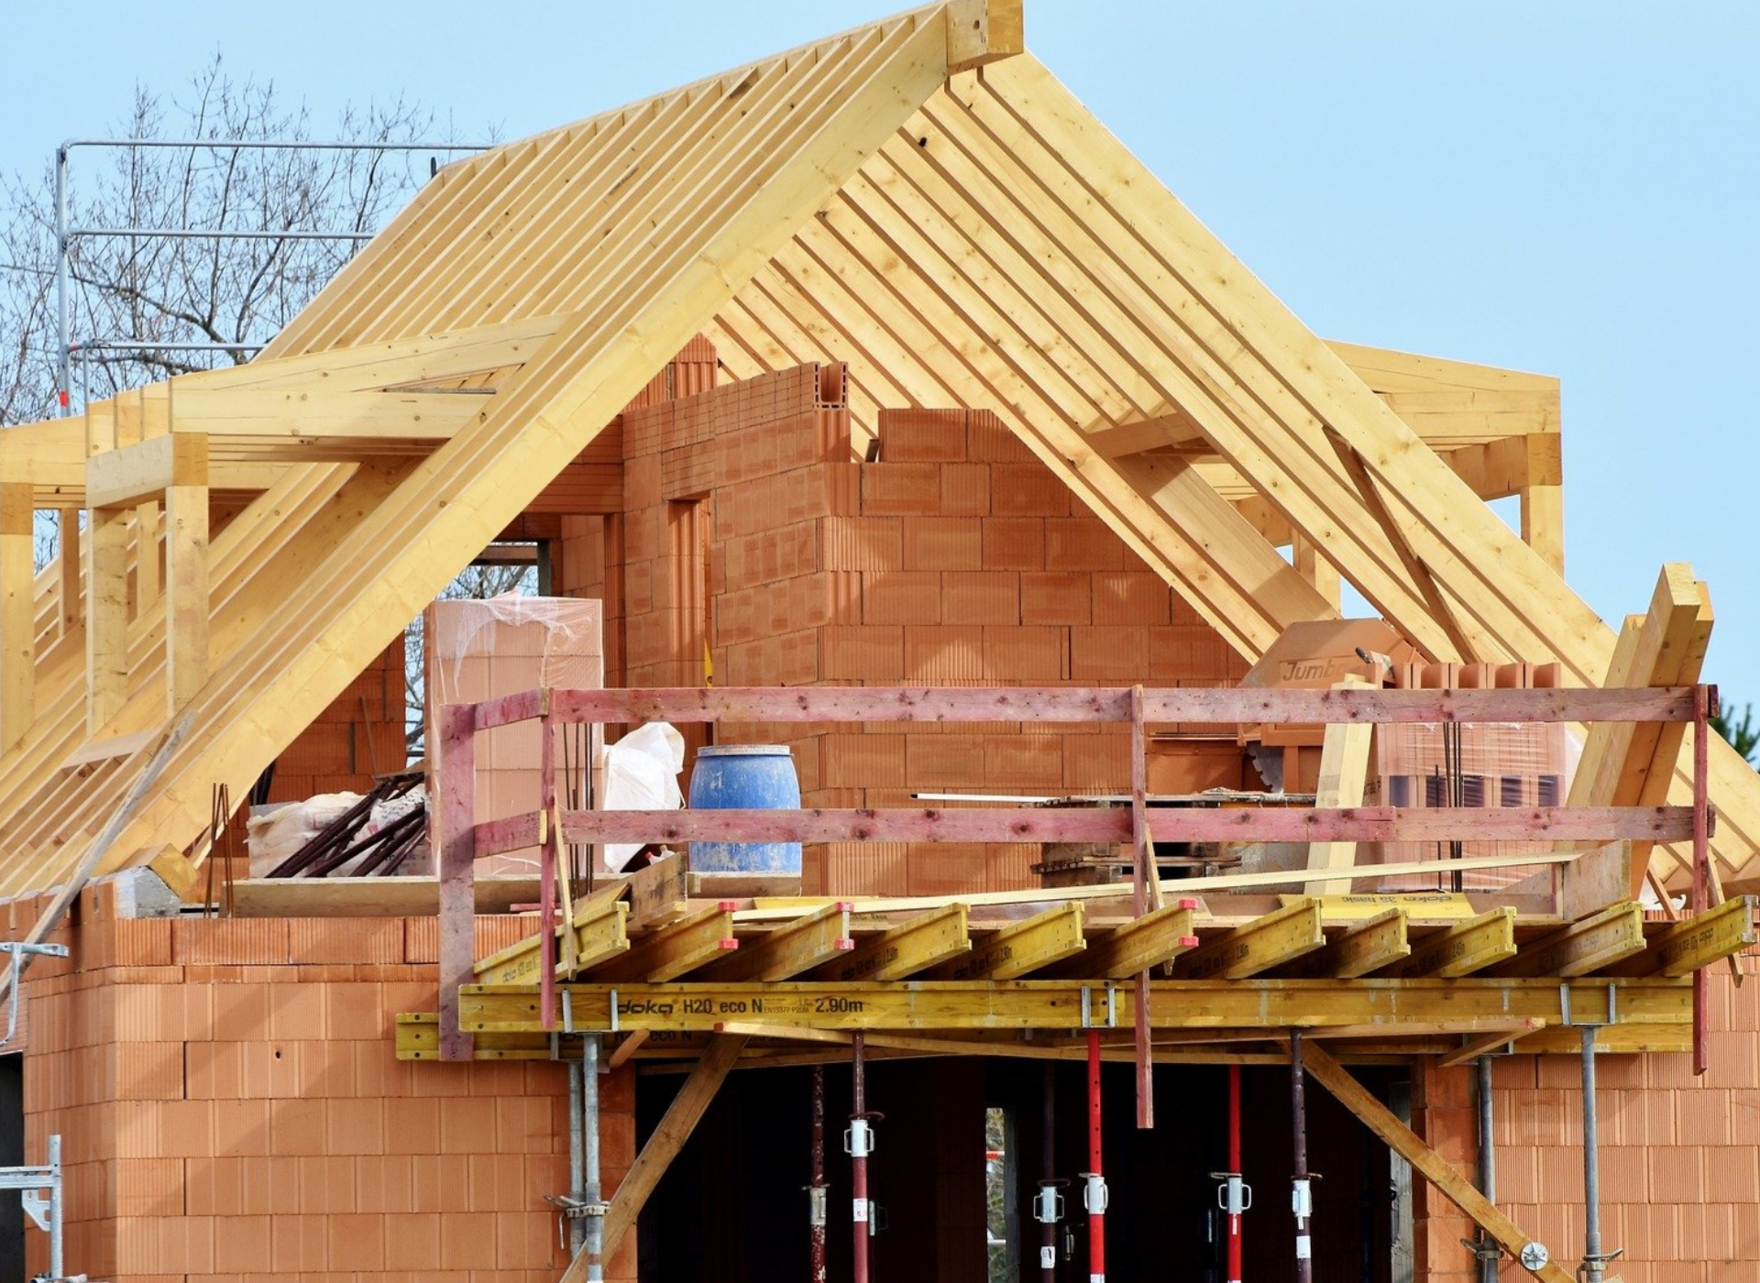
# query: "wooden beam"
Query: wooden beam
{"points": [[599, 933], [682, 1117], [1279, 937], [1266, 1004], [1375, 943], [1543, 499], [902, 951], [186, 570], [122, 477], [1484, 1044], [1137, 946], [1693, 943], [106, 617], [668, 952], [982, 31], [1021, 948], [1436, 1169], [1460, 950], [787, 950], [303, 415], [18, 616], [1344, 772], [1584, 946], [452, 836]]}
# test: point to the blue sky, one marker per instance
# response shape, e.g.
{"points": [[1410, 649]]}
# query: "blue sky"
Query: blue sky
{"points": [[1567, 187]]}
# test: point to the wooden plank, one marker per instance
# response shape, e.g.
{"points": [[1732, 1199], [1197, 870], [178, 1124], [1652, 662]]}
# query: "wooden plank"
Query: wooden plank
{"points": [[396, 896], [124, 476], [598, 931], [1261, 1004], [1598, 880], [1450, 1183], [1424, 905], [106, 618], [1113, 825], [662, 1147], [1372, 944], [786, 951], [1219, 882], [657, 894], [1344, 771], [903, 950], [1155, 938], [1021, 948], [982, 31], [1696, 942], [1460, 950], [1215, 707], [510, 833], [1270, 941], [187, 605], [452, 835], [670, 951], [1484, 1044], [1581, 947], [18, 621], [91, 752], [305, 415]]}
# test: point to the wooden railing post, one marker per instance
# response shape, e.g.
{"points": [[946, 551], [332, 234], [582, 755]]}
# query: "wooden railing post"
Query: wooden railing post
{"points": [[455, 838]]}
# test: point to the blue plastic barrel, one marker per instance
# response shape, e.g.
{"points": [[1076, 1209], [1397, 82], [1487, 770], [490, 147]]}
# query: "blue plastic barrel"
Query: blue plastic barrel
{"points": [[745, 777]]}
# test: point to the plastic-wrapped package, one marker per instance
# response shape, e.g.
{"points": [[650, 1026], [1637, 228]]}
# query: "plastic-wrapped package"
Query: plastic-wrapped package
{"points": [[641, 774], [275, 835]]}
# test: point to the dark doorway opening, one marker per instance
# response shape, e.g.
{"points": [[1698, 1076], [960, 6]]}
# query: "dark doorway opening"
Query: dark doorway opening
{"points": [[12, 1155], [733, 1207]]}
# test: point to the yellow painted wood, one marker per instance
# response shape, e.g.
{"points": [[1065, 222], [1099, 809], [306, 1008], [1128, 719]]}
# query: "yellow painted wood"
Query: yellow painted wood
{"points": [[1270, 941], [1460, 950], [1157, 937], [1376, 942], [1484, 1044], [1597, 941], [1024, 947], [903, 950], [1692, 943], [786, 951], [597, 933], [671, 951]]}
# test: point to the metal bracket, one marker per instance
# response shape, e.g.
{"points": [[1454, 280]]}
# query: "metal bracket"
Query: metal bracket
{"points": [[36, 1206], [21, 951], [1483, 1248], [614, 1028], [1095, 1195], [1234, 1195], [576, 1208], [567, 1012], [1088, 1008]]}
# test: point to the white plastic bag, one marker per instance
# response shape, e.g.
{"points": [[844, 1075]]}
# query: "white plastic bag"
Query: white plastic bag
{"points": [[271, 838], [641, 774]]}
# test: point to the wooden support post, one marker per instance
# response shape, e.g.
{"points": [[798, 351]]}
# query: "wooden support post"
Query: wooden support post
{"points": [[547, 863], [1310, 565], [1344, 773], [106, 617], [454, 836], [675, 1129], [1144, 859], [186, 570], [18, 622], [1543, 498], [1455, 1187], [71, 613]]}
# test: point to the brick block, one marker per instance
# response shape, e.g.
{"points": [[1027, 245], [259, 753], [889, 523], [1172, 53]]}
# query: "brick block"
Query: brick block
{"points": [[989, 440], [922, 436], [901, 597], [1055, 597], [981, 597], [1110, 654], [1031, 762], [1014, 543], [860, 543], [900, 489], [866, 868], [1027, 490], [965, 490], [863, 761], [945, 868], [1081, 543], [862, 654], [936, 656], [944, 763], [943, 543], [1121, 597], [1027, 654]]}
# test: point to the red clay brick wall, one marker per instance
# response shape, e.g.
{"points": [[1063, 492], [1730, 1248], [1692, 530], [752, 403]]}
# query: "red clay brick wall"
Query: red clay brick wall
{"points": [[1680, 1156], [360, 733], [230, 1105], [956, 559]]}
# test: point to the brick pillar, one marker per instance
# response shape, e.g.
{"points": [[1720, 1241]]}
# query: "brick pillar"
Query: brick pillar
{"points": [[1443, 1115]]}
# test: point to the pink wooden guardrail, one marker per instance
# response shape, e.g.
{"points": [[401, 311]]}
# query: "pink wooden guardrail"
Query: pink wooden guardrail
{"points": [[460, 840]]}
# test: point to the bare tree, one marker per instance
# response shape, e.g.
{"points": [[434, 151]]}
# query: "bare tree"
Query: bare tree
{"points": [[211, 289]]}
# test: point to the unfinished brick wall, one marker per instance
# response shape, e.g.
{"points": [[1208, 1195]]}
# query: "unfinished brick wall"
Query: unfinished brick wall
{"points": [[230, 1105], [359, 735], [957, 559], [1680, 1169]]}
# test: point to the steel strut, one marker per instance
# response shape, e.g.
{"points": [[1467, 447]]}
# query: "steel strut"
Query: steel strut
{"points": [[1094, 1196], [1301, 1196], [816, 1190]]}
